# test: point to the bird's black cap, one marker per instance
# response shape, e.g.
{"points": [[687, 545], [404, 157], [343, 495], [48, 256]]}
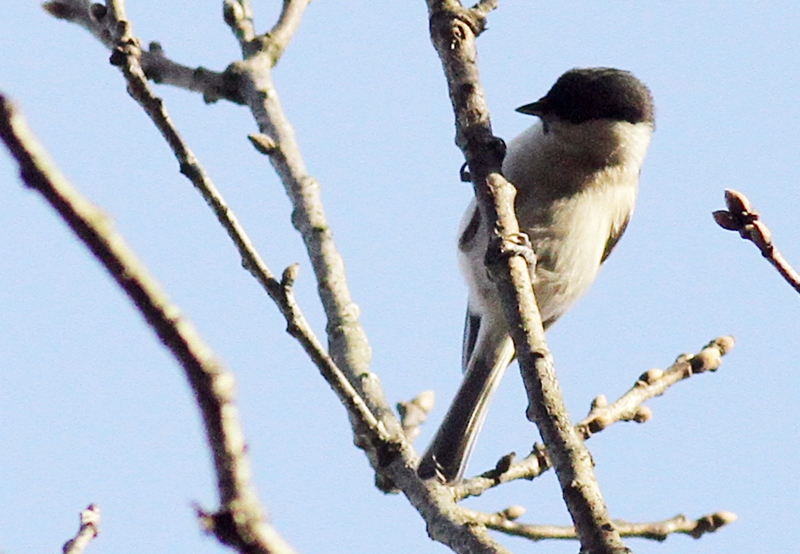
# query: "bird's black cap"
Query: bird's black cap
{"points": [[583, 94]]}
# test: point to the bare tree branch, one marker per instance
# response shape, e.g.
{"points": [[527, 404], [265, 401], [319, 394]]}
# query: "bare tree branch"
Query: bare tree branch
{"points": [[240, 522], [250, 82], [652, 383], [432, 500], [347, 341], [281, 33], [377, 430], [656, 530], [453, 32], [127, 55], [239, 17], [741, 217], [212, 85], [392, 456], [238, 14], [628, 407], [88, 530]]}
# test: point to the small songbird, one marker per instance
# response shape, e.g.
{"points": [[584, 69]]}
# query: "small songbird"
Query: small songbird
{"points": [[576, 172]]}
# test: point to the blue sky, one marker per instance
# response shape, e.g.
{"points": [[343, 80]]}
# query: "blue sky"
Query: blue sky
{"points": [[93, 409]]}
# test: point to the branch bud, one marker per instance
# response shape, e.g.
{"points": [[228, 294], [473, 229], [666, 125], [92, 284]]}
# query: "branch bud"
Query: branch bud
{"points": [[600, 401], [513, 512], [725, 344], [643, 414], [651, 376]]}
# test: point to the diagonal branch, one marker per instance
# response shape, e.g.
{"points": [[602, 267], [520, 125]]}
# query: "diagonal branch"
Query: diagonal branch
{"points": [[453, 32], [740, 216], [127, 56], [651, 384], [628, 407], [251, 79], [395, 462], [241, 521], [249, 82]]}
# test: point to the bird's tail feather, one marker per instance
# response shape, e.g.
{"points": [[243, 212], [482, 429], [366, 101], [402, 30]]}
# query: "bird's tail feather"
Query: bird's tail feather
{"points": [[452, 446]]}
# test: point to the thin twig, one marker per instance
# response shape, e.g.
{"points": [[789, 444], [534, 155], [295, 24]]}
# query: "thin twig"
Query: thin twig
{"points": [[650, 384], [453, 31], [283, 30], [238, 14], [213, 85], [127, 55], [347, 340], [741, 217], [88, 530], [250, 82], [628, 407], [240, 522], [656, 530]]}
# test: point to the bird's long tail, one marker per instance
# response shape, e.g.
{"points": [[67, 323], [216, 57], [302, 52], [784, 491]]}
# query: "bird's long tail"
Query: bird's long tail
{"points": [[487, 354]]}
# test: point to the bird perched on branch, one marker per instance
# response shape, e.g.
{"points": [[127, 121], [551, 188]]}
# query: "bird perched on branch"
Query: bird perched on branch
{"points": [[576, 172]]}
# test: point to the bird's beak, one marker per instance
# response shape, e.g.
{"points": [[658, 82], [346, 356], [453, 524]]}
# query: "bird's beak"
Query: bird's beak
{"points": [[538, 108]]}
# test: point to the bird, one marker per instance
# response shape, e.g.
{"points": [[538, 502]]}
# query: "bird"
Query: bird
{"points": [[576, 172]]}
